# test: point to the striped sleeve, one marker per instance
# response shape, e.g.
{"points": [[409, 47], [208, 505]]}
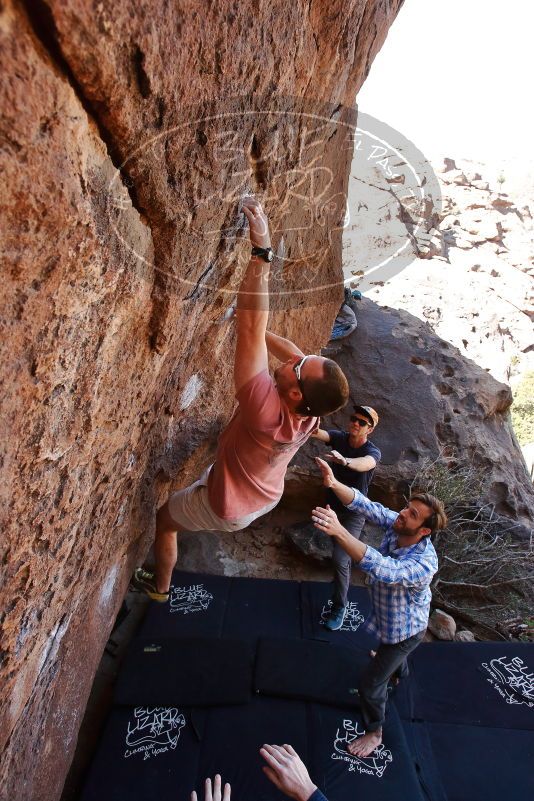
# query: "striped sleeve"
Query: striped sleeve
{"points": [[374, 512], [411, 572], [317, 796]]}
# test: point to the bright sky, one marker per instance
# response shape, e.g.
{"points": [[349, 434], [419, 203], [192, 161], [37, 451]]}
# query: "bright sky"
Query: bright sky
{"points": [[456, 77]]}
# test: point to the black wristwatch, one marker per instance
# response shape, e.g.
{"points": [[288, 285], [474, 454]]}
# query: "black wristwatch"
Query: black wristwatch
{"points": [[266, 254]]}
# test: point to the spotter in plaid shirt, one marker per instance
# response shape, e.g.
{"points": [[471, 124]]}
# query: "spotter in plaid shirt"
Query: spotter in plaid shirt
{"points": [[401, 571], [399, 578]]}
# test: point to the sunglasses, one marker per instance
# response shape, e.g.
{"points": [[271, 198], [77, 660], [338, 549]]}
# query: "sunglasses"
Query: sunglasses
{"points": [[298, 369], [354, 419]]}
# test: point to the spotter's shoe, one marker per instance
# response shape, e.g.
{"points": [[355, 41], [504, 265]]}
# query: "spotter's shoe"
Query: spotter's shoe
{"points": [[144, 581], [335, 621]]}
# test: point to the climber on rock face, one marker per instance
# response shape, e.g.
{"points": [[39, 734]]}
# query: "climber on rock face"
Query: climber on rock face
{"points": [[272, 420]]}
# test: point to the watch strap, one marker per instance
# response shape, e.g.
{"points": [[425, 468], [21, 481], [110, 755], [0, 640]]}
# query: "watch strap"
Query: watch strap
{"points": [[263, 253]]}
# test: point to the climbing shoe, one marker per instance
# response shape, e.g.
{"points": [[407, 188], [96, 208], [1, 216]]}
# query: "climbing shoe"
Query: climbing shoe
{"points": [[336, 618], [144, 581]]}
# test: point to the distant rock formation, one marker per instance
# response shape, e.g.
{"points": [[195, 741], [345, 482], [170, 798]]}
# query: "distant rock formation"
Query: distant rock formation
{"points": [[472, 276], [431, 400]]}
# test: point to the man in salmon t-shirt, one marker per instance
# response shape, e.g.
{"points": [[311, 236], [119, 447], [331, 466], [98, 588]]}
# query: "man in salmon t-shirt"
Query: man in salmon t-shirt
{"points": [[272, 420]]}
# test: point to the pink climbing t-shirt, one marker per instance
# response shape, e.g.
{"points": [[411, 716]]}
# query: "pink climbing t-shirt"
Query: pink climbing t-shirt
{"points": [[255, 449]]}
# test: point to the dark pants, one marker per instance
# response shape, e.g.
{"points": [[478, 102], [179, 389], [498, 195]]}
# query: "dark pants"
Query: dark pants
{"points": [[390, 660], [342, 561]]}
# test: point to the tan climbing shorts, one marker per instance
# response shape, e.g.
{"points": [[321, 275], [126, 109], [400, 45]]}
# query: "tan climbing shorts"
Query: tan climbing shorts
{"points": [[190, 509]]}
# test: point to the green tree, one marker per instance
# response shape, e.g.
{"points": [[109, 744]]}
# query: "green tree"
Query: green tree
{"points": [[523, 409]]}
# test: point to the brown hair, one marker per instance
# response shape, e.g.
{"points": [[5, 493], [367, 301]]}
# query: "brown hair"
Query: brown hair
{"points": [[327, 394], [437, 520]]}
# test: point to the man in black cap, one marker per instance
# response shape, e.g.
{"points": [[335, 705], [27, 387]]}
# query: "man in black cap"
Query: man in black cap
{"points": [[354, 458]]}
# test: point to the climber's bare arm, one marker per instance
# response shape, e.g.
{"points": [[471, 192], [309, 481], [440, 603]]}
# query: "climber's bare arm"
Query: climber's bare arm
{"points": [[282, 349], [321, 434], [253, 302]]}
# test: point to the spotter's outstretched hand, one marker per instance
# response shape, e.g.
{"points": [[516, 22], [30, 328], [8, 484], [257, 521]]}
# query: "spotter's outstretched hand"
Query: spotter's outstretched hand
{"points": [[326, 520], [287, 771], [215, 793], [326, 472], [336, 457]]}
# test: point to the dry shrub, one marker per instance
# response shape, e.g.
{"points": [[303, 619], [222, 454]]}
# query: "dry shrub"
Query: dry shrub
{"points": [[486, 561]]}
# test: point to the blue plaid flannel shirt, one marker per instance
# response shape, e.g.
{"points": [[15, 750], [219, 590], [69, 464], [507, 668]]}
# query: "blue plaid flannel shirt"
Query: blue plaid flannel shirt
{"points": [[399, 578]]}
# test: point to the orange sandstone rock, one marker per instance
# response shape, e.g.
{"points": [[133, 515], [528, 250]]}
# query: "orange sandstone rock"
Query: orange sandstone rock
{"points": [[130, 130]]}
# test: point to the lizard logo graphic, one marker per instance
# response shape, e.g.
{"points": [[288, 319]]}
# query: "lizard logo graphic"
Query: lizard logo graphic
{"points": [[287, 158], [189, 599], [373, 765], [153, 731], [353, 616], [511, 679]]}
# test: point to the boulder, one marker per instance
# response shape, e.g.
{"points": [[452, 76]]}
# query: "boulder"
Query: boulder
{"points": [[130, 133], [502, 202], [309, 541], [447, 165], [442, 625], [430, 243], [455, 177], [449, 221], [464, 636], [433, 403]]}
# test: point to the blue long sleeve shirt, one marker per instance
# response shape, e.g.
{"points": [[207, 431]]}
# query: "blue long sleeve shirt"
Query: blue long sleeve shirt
{"points": [[317, 796], [398, 578]]}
